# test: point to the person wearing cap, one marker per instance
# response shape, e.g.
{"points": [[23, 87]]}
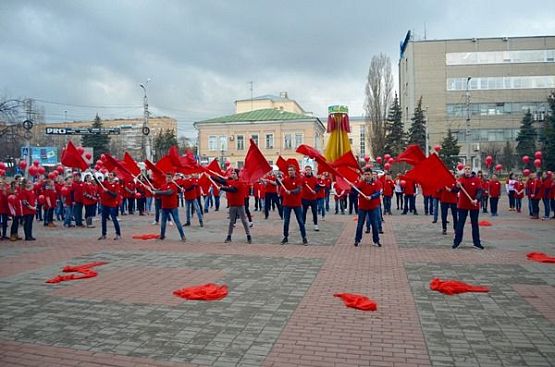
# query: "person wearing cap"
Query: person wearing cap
{"points": [[292, 186], [168, 194], [109, 200]]}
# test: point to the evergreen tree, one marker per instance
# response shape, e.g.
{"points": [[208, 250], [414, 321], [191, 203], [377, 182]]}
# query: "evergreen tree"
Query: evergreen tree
{"points": [[548, 148], [100, 143], [508, 159], [526, 139], [417, 131], [395, 138], [450, 150], [163, 141]]}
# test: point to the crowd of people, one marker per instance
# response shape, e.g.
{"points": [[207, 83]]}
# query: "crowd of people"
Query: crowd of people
{"points": [[75, 199]]}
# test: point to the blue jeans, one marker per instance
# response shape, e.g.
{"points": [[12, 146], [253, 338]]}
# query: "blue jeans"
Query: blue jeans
{"points": [[59, 210], [462, 214], [547, 204], [68, 215], [445, 211], [195, 205], [112, 213], [287, 217], [314, 209], [78, 213], [175, 215], [435, 205], [371, 216], [387, 205], [322, 207]]}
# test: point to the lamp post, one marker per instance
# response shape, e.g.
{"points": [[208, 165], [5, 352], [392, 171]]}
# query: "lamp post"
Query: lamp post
{"points": [[468, 114], [222, 150], [427, 133], [145, 141]]}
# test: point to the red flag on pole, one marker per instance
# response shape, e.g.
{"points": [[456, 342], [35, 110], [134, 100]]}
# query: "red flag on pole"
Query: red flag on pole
{"points": [[431, 173], [173, 155], [310, 152], [113, 165], [165, 165], [131, 165], [412, 155], [256, 164], [347, 160], [214, 168], [281, 163], [72, 158], [158, 176]]}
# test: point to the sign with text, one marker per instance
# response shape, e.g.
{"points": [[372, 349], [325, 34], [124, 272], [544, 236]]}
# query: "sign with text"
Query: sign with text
{"points": [[82, 131], [45, 155]]}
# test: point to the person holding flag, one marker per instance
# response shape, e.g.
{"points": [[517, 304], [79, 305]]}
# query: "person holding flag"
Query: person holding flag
{"points": [[470, 194], [291, 191], [368, 206], [109, 201], [168, 194], [309, 196]]}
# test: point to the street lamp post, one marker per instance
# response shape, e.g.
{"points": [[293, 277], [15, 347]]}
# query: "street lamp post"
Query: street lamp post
{"points": [[468, 114], [222, 150], [145, 141], [427, 133]]}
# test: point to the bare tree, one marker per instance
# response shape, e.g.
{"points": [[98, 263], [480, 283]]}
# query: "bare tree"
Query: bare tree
{"points": [[379, 89]]}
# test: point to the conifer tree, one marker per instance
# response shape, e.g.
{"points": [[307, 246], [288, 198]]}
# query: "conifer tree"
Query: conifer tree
{"points": [[99, 142], [417, 131], [450, 150], [526, 139], [395, 138]]}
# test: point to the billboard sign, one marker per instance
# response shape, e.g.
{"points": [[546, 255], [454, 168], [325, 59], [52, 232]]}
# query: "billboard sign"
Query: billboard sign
{"points": [[47, 156]]}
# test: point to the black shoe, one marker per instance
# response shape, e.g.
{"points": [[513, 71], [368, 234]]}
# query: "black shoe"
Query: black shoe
{"points": [[415, 213], [404, 213], [305, 241], [444, 231], [201, 224], [161, 238], [479, 246], [284, 241], [434, 221], [377, 244], [102, 237], [249, 239], [455, 245], [356, 244], [227, 239], [187, 224], [381, 232], [367, 231]]}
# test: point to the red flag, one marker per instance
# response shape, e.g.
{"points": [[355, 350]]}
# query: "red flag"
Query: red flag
{"points": [[147, 236], [214, 168], [158, 177], [348, 173], [412, 155], [310, 152], [342, 184], [165, 165], [204, 183], [431, 173], [347, 160], [357, 301], [451, 287], [204, 292], [113, 165], [72, 158], [541, 257], [173, 155], [256, 164], [84, 270], [131, 165], [282, 164]]}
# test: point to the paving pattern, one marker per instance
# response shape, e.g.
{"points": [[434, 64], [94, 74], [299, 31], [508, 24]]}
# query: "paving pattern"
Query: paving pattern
{"points": [[280, 310]]}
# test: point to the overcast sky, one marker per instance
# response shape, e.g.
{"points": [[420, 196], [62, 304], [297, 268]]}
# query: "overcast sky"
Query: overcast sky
{"points": [[89, 56]]}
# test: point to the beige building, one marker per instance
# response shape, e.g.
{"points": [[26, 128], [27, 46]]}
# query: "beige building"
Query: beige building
{"points": [[281, 102], [479, 88], [276, 130], [130, 138]]}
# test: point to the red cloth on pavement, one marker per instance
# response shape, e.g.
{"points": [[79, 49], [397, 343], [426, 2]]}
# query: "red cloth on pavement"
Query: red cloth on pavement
{"points": [[451, 287], [84, 270], [147, 236], [358, 301], [204, 292], [484, 223], [541, 257]]}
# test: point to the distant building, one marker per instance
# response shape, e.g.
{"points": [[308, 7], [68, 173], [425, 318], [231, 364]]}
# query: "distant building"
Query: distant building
{"points": [[276, 130], [480, 88], [281, 102], [129, 140]]}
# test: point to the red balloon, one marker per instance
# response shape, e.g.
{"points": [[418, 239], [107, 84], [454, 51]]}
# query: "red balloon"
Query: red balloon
{"points": [[60, 169], [2, 172], [387, 166], [41, 199], [366, 158], [526, 172], [88, 155], [99, 162], [97, 167], [41, 170], [33, 170], [391, 160], [437, 148], [379, 160], [525, 159], [103, 171], [460, 166], [103, 157], [386, 157], [52, 175], [81, 150], [538, 163], [538, 155], [56, 173], [2, 165], [22, 164], [498, 167], [36, 163], [489, 158], [403, 182]]}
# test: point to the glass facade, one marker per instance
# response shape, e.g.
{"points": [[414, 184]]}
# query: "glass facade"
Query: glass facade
{"points": [[362, 135], [485, 135], [538, 109], [507, 82], [499, 57]]}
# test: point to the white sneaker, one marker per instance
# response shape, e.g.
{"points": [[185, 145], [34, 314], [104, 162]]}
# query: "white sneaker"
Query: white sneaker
{"points": [[155, 223], [251, 224], [316, 228], [170, 223]]}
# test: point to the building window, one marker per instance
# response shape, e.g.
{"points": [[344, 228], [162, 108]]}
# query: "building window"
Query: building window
{"points": [[287, 143], [213, 143], [499, 57], [255, 138], [362, 140], [240, 142], [497, 109], [223, 143], [509, 82], [298, 139], [269, 141]]}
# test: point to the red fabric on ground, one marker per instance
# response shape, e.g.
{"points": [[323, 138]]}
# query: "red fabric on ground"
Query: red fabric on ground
{"points": [[357, 301], [451, 287], [147, 236], [204, 292], [484, 223], [541, 257], [84, 270]]}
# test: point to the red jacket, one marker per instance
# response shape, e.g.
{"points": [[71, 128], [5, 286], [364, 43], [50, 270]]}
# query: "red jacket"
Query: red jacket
{"points": [[472, 185], [494, 188], [236, 197], [368, 188], [169, 201], [388, 188], [108, 200], [29, 201], [293, 199], [309, 188], [448, 197]]}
